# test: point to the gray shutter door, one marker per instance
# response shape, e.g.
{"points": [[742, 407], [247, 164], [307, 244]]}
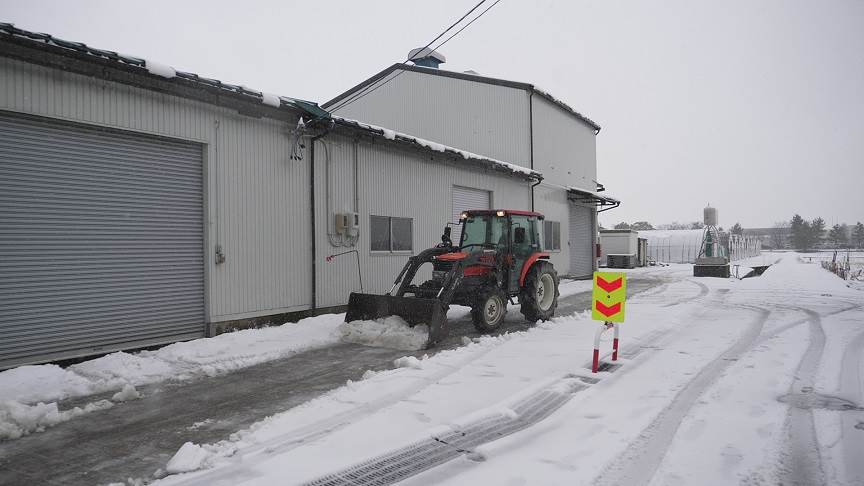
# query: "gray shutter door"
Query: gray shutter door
{"points": [[465, 198], [101, 241], [581, 241]]}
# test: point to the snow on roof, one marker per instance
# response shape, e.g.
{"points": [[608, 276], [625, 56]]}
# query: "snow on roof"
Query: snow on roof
{"points": [[604, 196], [153, 67], [437, 147]]}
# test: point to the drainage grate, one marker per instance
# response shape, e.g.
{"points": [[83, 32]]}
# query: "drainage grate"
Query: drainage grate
{"points": [[425, 454]]}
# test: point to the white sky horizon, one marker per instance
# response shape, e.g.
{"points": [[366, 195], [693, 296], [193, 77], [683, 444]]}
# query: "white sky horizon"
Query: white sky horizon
{"points": [[755, 108]]}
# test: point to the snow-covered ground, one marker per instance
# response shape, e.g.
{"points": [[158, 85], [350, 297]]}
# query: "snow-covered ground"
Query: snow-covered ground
{"points": [[29, 394], [721, 381]]}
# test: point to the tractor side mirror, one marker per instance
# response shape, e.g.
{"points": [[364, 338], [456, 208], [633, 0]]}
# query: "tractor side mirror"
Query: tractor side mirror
{"points": [[519, 236]]}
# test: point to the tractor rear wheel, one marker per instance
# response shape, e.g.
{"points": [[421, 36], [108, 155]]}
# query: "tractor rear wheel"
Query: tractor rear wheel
{"points": [[539, 296], [489, 310]]}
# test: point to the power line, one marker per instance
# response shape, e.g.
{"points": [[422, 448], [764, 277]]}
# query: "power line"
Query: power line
{"points": [[372, 87], [466, 25], [363, 92]]}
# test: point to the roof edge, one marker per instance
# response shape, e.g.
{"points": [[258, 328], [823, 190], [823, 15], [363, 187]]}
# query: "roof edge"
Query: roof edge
{"points": [[467, 77], [434, 147]]}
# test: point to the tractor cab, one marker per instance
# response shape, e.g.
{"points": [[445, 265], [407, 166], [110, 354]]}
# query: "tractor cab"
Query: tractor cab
{"points": [[509, 236]]}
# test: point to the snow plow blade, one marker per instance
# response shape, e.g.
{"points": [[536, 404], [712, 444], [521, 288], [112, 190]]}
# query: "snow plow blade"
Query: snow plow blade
{"points": [[415, 311]]}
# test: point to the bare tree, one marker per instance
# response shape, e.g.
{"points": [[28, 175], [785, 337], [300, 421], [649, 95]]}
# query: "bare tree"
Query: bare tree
{"points": [[780, 234]]}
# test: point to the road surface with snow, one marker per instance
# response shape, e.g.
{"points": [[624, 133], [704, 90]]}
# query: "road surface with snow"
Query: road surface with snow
{"points": [[201, 391], [720, 381]]}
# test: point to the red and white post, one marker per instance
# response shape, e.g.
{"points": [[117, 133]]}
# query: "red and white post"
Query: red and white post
{"points": [[603, 327]]}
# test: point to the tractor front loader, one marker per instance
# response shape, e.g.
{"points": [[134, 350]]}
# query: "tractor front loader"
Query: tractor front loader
{"points": [[498, 258]]}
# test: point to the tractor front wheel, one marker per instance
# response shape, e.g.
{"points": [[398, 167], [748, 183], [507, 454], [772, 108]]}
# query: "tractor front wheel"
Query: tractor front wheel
{"points": [[539, 296], [489, 310]]}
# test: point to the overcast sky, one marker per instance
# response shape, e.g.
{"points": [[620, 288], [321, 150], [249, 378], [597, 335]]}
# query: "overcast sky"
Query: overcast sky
{"points": [[754, 106]]}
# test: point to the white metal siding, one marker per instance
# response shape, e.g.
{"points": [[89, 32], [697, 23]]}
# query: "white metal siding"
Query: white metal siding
{"points": [[393, 182], [553, 204], [582, 258], [565, 149], [478, 117], [101, 240], [465, 198], [257, 199]]}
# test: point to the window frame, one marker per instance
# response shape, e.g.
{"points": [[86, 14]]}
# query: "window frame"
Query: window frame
{"points": [[390, 239], [556, 244]]}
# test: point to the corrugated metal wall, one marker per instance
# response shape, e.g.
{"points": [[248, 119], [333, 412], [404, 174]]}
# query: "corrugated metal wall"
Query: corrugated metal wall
{"points": [[552, 202], [482, 118], [257, 198], [101, 240], [565, 149], [393, 182], [464, 198], [582, 239]]}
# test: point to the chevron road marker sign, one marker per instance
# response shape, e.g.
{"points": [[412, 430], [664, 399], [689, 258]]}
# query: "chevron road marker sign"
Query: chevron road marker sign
{"points": [[608, 299], [610, 293]]}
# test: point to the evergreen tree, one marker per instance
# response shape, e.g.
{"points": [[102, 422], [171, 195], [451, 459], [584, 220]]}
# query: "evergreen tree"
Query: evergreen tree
{"points": [[837, 235], [800, 231], [737, 229], [642, 226], [697, 225], [817, 231], [858, 235], [622, 225]]}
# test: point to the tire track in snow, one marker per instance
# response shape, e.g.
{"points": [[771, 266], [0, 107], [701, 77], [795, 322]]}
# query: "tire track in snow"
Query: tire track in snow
{"points": [[802, 463], [703, 291], [239, 461], [639, 462]]}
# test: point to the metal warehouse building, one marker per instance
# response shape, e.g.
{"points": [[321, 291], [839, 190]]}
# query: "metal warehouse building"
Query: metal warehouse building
{"points": [[140, 205], [507, 120]]}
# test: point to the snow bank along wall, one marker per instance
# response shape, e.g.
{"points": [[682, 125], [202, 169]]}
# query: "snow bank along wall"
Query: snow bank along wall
{"points": [[139, 208], [507, 120], [682, 246]]}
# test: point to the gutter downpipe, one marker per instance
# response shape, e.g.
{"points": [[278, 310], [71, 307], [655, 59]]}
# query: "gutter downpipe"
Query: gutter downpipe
{"points": [[531, 140], [312, 205]]}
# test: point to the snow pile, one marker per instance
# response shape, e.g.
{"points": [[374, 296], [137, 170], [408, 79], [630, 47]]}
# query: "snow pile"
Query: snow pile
{"points": [[18, 419], [389, 332], [127, 393], [408, 362], [31, 384], [188, 458], [159, 69], [28, 393]]}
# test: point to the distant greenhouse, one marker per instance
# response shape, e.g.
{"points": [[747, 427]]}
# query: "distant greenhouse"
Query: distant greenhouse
{"points": [[682, 246]]}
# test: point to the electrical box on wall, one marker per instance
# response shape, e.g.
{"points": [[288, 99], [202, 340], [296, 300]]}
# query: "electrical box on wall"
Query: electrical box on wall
{"points": [[341, 223], [353, 226], [347, 223]]}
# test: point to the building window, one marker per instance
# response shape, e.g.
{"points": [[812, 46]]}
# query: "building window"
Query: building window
{"points": [[552, 235], [391, 234]]}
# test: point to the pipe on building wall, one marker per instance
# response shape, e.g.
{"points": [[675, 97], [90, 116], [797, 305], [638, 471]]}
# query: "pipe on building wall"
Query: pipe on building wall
{"points": [[531, 140], [312, 206]]}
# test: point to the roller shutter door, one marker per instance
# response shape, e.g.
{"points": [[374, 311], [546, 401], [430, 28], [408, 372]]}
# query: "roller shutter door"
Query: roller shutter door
{"points": [[581, 241], [465, 198], [101, 241]]}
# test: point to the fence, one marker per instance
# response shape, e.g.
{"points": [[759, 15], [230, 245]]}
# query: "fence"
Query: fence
{"points": [[682, 246]]}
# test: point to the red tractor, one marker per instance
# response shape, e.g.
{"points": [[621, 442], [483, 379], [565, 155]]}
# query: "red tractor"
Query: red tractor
{"points": [[498, 258]]}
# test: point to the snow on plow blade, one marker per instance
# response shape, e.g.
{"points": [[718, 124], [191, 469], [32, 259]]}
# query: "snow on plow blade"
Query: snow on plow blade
{"points": [[415, 311]]}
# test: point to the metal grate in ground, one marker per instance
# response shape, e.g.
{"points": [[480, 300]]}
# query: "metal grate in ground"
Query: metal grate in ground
{"points": [[425, 454]]}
